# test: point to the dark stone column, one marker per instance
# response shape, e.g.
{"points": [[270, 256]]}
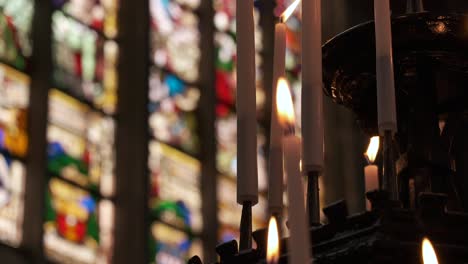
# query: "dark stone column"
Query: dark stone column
{"points": [[41, 73], [131, 225], [206, 118]]}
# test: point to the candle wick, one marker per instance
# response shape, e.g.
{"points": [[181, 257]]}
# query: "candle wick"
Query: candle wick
{"points": [[369, 162], [289, 130]]}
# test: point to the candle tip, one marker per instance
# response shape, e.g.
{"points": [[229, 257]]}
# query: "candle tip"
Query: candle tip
{"points": [[284, 105], [428, 253], [273, 242], [289, 11], [373, 149]]}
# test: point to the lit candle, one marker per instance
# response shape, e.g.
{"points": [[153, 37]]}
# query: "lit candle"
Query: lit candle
{"points": [[312, 104], [247, 182], [299, 240], [272, 256], [428, 253], [371, 171], [275, 180], [384, 67]]}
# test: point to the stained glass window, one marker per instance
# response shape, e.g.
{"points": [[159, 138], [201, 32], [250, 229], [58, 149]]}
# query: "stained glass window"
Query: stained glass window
{"points": [[78, 226], [15, 29], [172, 111], [175, 199], [79, 220], [14, 100], [15, 50], [226, 124], [84, 62], [81, 168], [100, 15]]}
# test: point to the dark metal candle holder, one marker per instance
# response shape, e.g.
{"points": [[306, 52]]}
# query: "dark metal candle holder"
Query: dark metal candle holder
{"points": [[246, 226], [387, 234], [390, 180], [313, 198]]}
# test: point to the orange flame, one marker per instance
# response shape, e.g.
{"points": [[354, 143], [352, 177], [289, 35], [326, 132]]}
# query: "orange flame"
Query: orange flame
{"points": [[428, 252], [289, 11], [284, 104], [373, 149], [273, 242]]}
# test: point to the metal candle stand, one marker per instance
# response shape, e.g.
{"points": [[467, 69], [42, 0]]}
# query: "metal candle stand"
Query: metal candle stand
{"points": [[313, 200], [387, 234], [246, 226]]}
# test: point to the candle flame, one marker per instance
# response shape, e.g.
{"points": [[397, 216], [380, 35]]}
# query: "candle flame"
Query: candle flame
{"points": [[428, 252], [284, 104], [289, 11], [273, 242], [373, 148]]}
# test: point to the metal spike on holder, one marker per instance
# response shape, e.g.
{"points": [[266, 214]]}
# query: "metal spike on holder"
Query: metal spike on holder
{"points": [[390, 181], [245, 241], [313, 199]]}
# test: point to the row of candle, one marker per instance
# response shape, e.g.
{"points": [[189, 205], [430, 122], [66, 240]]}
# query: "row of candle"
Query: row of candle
{"points": [[286, 149]]}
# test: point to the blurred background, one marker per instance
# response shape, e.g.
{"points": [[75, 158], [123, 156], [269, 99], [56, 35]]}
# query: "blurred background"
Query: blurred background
{"points": [[118, 126]]}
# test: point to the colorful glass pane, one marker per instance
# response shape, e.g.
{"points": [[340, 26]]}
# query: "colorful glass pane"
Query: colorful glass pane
{"points": [[77, 226], [175, 187], [14, 100], [170, 245], [79, 221], [172, 111], [100, 15], [175, 38], [84, 62], [15, 29], [81, 145]]}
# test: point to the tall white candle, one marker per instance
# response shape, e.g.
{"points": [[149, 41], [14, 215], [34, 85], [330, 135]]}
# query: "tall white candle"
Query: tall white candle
{"points": [[312, 94], [299, 240], [275, 166], [384, 67], [247, 182]]}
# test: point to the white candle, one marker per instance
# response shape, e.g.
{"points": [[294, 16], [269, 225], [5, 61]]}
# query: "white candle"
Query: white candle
{"points": [[299, 240], [247, 182], [384, 67], [371, 172], [275, 166], [312, 95]]}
